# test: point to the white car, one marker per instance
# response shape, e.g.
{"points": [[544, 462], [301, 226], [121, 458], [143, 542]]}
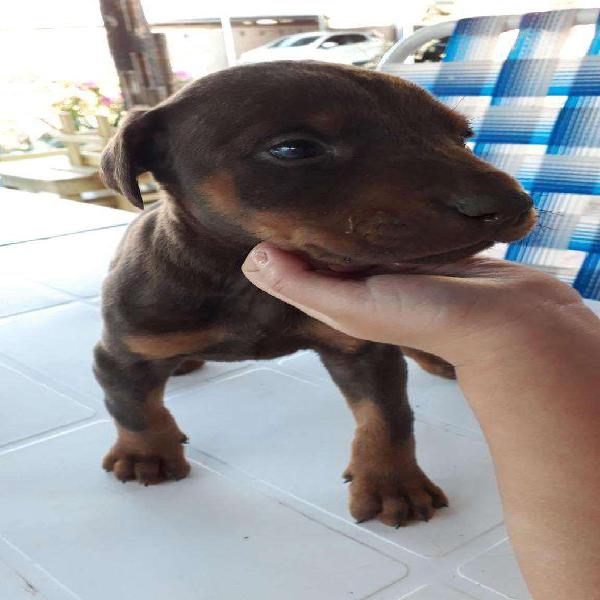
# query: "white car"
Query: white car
{"points": [[346, 47]]}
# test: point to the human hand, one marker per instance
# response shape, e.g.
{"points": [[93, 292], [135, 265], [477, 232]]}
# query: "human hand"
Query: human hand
{"points": [[454, 311]]}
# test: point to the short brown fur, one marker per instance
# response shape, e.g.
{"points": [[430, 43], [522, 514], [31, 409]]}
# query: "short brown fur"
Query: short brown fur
{"points": [[170, 345], [385, 178]]}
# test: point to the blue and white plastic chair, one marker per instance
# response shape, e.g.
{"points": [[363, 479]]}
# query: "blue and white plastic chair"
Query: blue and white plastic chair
{"points": [[535, 110]]}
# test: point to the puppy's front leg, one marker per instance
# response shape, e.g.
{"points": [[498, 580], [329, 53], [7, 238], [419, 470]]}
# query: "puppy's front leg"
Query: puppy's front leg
{"points": [[386, 481], [149, 443]]}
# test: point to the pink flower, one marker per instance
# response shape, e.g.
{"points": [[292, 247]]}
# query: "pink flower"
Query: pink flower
{"points": [[182, 75], [89, 85], [106, 101]]}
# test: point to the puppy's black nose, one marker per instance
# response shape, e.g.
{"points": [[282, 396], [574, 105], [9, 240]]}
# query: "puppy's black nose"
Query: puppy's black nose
{"points": [[495, 209]]}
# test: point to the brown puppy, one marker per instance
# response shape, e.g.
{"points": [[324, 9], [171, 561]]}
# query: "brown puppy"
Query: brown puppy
{"points": [[354, 169]]}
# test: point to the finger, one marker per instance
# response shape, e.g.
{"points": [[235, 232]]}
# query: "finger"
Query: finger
{"points": [[288, 278], [472, 266]]}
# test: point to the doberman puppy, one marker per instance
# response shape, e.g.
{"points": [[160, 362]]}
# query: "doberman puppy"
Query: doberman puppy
{"points": [[354, 170]]}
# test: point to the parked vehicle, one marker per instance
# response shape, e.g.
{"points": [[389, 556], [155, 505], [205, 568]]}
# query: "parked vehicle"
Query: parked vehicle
{"points": [[433, 51], [346, 47]]}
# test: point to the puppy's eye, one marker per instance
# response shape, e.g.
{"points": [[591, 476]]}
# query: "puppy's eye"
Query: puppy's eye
{"points": [[297, 149]]}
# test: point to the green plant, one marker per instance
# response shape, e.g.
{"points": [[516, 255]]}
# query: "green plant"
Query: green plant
{"points": [[85, 101]]}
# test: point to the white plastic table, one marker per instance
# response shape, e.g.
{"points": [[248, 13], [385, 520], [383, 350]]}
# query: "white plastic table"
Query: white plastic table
{"points": [[262, 516]]}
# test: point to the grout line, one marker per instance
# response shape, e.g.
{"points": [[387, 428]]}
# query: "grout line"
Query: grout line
{"points": [[472, 548], [254, 365], [61, 235], [385, 587], [298, 511], [487, 588], [54, 288], [478, 583], [233, 473], [31, 310], [55, 385], [76, 300], [175, 394], [39, 567], [58, 432], [44, 385]]}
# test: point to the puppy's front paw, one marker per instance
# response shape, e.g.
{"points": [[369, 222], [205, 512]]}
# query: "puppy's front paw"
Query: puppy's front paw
{"points": [[393, 496], [149, 458]]}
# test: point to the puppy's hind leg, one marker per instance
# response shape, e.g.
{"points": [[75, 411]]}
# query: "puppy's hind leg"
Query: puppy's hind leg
{"points": [[188, 366], [431, 363]]}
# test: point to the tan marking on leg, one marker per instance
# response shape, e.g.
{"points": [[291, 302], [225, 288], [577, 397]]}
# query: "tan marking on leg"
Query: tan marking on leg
{"points": [[372, 442], [386, 481], [188, 366], [168, 345], [431, 363], [153, 454], [330, 336]]}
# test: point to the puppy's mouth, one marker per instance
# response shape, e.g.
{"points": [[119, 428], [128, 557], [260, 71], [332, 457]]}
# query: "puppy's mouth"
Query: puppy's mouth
{"points": [[326, 261]]}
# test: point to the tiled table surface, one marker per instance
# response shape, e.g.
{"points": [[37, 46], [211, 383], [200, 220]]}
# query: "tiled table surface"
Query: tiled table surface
{"points": [[262, 516]]}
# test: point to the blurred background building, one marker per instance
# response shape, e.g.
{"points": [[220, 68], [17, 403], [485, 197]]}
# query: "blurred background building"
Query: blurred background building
{"points": [[56, 56]]}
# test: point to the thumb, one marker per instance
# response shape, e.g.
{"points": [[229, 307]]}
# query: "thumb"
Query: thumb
{"points": [[285, 276]]}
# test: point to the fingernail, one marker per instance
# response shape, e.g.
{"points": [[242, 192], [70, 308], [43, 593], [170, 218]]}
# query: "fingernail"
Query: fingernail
{"points": [[255, 261], [260, 257]]}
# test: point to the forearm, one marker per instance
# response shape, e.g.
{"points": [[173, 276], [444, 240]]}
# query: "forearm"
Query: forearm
{"points": [[527, 355], [539, 408]]}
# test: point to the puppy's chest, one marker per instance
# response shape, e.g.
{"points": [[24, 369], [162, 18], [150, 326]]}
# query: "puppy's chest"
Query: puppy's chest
{"points": [[238, 337], [254, 330], [244, 325]]}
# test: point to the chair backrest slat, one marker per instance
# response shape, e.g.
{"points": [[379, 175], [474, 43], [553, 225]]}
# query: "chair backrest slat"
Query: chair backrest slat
{"points": [[537, 116], [572, 77]]}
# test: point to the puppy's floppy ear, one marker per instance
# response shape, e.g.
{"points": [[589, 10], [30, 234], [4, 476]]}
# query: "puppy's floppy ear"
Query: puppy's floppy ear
{"points": [[132, 151]]}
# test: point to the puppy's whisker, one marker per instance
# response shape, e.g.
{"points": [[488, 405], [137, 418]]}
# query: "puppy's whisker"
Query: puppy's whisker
{"points": [[458, 104]]}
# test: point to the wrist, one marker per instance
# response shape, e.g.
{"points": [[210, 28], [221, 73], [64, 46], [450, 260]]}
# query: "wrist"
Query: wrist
{"points": [[536, 332]]}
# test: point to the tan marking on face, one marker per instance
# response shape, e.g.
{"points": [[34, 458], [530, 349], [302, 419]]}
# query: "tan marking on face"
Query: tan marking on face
{"points": [[168, 345], [220, 193], [275, 227], [289, 232], [303, 233]]}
